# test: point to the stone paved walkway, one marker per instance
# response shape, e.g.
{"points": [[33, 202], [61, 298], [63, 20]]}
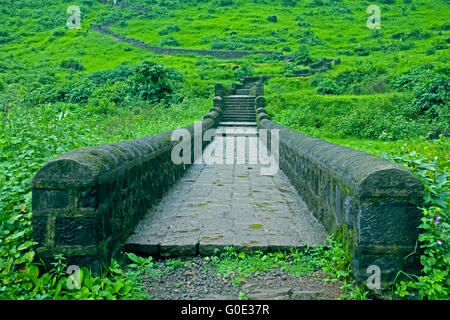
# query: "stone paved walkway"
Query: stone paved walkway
{"points": [[213, 206]]}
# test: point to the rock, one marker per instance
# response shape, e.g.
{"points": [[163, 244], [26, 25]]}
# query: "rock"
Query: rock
{"points": [[305, 295], [270, 294]]}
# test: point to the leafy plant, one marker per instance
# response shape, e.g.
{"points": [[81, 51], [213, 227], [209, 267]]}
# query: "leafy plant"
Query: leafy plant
{"points": [[154, 82], [434, 280], [168, 29], [301, 56], [169, 42]]}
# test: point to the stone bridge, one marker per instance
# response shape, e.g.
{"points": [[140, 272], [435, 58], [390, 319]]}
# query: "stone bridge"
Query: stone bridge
{"points": [[235, 179]]}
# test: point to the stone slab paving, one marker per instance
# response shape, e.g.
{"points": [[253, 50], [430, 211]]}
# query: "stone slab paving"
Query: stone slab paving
{"points": [[217, 205]]}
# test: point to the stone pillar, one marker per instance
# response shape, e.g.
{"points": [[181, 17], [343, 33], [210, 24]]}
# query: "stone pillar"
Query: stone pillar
{"points": [[218, 102], [260, 102], [259, 89], [219, 90]]}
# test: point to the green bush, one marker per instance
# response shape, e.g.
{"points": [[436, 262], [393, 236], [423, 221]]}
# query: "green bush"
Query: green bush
{"points": [[154, 82], [244, 71], [228, 43], [121, 73], [272, 19], [168, 29], [301, 56], [309, 37], [408, 80], [76, 92], [429, 97], [169, 42], [328, 86], [72, 64], [361, 51], [362, 80], [289, 3]]}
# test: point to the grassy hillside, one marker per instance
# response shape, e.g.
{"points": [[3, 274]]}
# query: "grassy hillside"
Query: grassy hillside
{"points": [[62, 89]]}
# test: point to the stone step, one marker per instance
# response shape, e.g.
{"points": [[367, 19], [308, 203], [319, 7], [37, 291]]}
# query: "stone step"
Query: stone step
{"points": [[250, 108], [244, 114], [239, 115], [239, 105], [237, 124], [236, 130], [238, 120], [230, 115], [239, 100], [242, 91], [239, 110], [236, 96]]}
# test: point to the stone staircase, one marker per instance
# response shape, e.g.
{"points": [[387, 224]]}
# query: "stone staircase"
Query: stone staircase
{"points": [[239, 108]]}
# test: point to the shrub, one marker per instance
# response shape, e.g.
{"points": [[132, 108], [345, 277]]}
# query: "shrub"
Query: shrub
{"points": [[121, 73], [110, 92], [375, 34], [244, 71], [429, 97], [58, 33], [272, 18], [309, 37], [154, 82], [301, 56], [76, 92], [446, 26], [410, 79], [72, 64], [228, 43], [169, 42], [362, 80], [289, 3], [361, 51], [328, 86], [222, 3], [168, 29]]}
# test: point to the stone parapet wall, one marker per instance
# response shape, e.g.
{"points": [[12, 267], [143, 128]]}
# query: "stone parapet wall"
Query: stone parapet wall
{"points": [[220, 54], [86, 202], [373, 200]]}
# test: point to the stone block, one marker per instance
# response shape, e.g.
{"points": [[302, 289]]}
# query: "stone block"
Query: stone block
{"points": [[44, 199]]}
